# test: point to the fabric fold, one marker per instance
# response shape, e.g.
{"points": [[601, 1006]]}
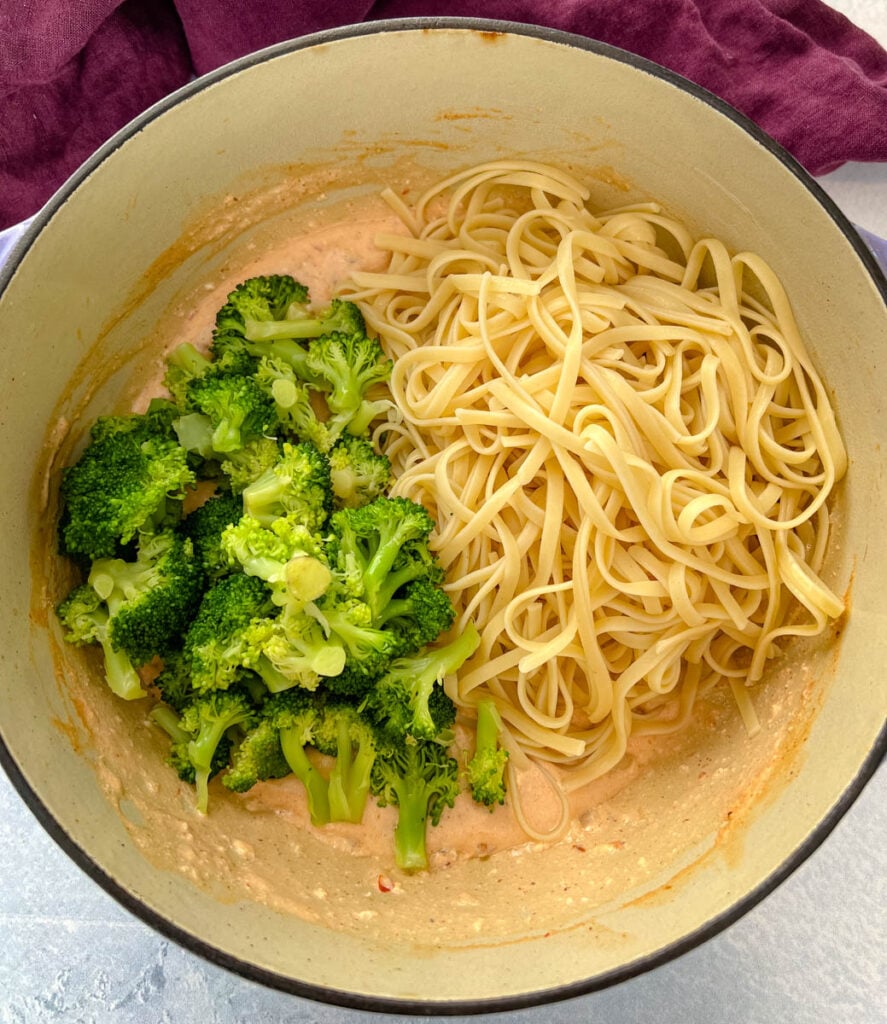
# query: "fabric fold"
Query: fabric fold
{"points": [[73, 74]]}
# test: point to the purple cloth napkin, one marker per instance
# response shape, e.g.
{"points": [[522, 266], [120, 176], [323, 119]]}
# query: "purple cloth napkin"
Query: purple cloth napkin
{"points": [[72, 74]]}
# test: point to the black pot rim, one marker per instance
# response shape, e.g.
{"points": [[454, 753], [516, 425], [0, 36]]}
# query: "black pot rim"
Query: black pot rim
{"points": [[385, 1004]]}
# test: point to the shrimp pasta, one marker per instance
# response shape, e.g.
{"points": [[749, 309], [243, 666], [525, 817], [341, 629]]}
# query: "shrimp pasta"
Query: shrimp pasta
{"points": [[627, 448]]}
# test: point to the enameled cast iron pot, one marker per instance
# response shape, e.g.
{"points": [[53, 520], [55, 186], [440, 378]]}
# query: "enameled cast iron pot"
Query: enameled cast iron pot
{"points": [[674, 856]]}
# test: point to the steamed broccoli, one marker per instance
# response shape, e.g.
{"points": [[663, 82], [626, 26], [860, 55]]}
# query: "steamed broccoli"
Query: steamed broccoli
{"points": [[419, 616], [135, 610], [295, 716], [300, 322], [87, 621], [238, 408], [179, 757], [185, 364], [285, 554], [369, 649], [486, 769], [404, 700], [358, 474], [259, 298], [343, 733], [242, 467], [234, 469], [421, 779], [155, 421], [256, 757], [217, 645], [173, 682], [380, 547], [126, 481], [298, 485], [150, 600], [206, 720], [205, 526], [292, 650], [294, 405], [349, 365]]}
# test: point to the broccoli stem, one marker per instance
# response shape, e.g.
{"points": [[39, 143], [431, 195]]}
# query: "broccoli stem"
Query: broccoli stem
{"points": [[195, 433], [307, 578], [271, 676], [169, 722], [488, 725], [359, 782], [286, 350], [349, 782], [186, 357], [120, 673], [201, 752], [432, 666], [315, 784], [340, 777], [283, 330], [409, 833], [227, 436]]}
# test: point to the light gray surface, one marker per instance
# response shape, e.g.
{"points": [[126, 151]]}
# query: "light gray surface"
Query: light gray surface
{"points": [[814, 951]]}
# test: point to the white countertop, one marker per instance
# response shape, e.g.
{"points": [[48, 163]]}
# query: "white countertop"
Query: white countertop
{"points": [[813, 952]]}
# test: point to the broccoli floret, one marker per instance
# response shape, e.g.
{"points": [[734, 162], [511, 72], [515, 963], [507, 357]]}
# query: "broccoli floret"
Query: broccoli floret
{"points": [[179, 756], [401, 700], [370, 650], [486, 769], [217, 643], [293, 650], [194, 432], [421, 779], [295, 715], [86, 619], [287, 353], [135, 610], [126, 481], [173, 682], [205, 526], [349, 365], [285, 554], [419, 616], [258, 298], [301, 322], [184, 365], [160, 416], [206, 720], [238, 407], [293, 404], [358, 474], [343, 733], [256, 758], [298, 485], [152, 599], [233, 470], [368, 543], [248, 463], [156, 421]]}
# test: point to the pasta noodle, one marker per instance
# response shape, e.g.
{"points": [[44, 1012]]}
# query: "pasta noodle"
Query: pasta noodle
{"points": [[626, 446]]}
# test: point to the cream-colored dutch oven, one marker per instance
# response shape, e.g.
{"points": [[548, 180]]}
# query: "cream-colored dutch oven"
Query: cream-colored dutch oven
{"points": [[207, 179]]}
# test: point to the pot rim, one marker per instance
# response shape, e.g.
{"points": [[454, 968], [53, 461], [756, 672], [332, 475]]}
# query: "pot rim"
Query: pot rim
{"points": [[388, 1004]]}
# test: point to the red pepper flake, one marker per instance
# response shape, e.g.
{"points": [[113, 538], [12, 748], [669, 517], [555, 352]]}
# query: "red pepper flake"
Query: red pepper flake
{"points": [[385, 884], [576, 846]]}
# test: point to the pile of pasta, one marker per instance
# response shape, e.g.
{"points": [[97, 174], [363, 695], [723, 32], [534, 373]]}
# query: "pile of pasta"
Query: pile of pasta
{"points": [[627, 448]]}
